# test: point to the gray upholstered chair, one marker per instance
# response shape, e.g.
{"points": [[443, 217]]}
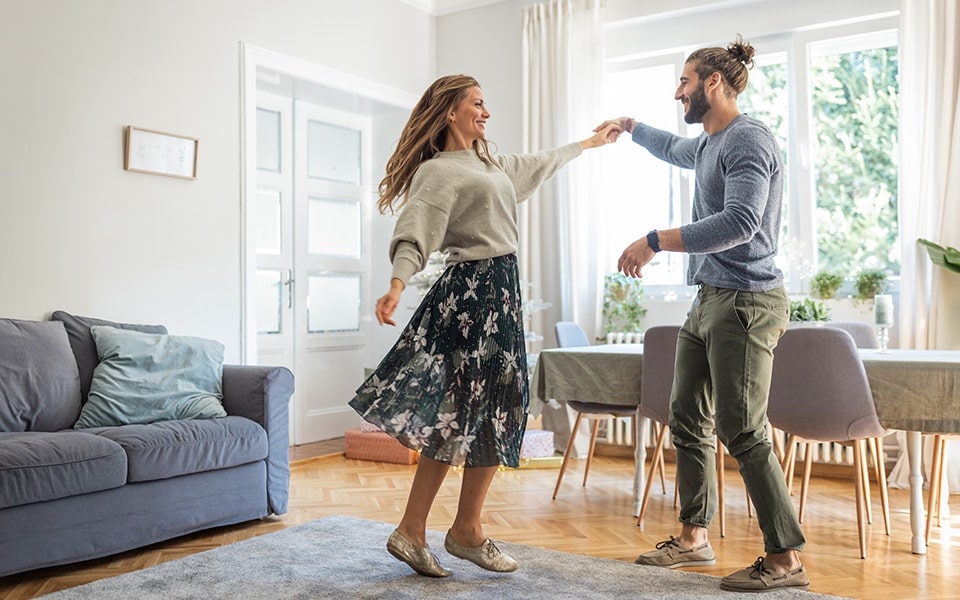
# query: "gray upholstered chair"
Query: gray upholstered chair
{"points": [[864, 336], [571, 335], [659, 359], [819, 392]]}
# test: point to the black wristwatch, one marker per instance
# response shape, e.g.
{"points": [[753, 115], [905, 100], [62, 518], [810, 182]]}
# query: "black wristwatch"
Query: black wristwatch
{"points": [[653, 240]]}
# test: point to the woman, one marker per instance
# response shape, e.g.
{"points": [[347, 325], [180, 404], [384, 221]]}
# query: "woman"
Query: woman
{"points": [[454, 386]]}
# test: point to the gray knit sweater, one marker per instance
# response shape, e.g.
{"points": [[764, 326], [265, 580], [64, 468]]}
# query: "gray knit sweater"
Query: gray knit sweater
{"points": [[461, 205], [733, 236]]}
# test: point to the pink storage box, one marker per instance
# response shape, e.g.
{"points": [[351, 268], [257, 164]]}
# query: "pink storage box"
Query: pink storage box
{"points": [[537, 443]]}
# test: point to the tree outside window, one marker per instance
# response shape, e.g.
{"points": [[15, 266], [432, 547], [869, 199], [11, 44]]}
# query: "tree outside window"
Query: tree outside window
{"points": [[855, 110]]}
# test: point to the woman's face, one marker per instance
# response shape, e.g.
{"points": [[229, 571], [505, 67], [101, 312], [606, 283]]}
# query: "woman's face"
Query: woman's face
{"points": [[468, 120]]}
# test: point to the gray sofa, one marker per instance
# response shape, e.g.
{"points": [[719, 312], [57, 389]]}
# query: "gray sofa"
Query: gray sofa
{"points": [[68, 495]]}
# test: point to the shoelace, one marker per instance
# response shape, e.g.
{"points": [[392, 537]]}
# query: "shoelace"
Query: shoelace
{"points": [[667, 543], [758, 570]]}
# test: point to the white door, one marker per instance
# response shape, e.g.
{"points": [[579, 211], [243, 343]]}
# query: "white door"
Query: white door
{"points": [[312, 285]]}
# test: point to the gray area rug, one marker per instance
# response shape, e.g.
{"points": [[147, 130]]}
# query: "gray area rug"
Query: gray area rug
{"points": [[345, 557]]}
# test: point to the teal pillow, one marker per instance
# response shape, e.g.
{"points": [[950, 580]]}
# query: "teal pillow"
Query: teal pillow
{"points": [[150, 377]]}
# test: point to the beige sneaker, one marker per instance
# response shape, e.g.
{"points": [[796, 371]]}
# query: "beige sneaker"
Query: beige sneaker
{"points": [[758, 578], [671, 555]]}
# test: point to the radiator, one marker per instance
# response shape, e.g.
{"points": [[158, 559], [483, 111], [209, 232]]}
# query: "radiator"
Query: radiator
{"points": [[618, 431]]}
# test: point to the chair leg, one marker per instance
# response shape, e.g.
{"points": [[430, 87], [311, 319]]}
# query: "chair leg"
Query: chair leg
{"points": [[858, 484], [566, 454], [721, 483], [593, 444], [936, 474], [789, 456], [881, 472], [654, 461], [940, 475], [805, 483], [777, 443], [867, 499]]}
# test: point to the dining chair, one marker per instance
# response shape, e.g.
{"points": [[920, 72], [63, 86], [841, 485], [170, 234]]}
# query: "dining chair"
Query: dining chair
{"points": [[864, 336], [571, 335], [938, 470], [659, 361], [819, 392]]}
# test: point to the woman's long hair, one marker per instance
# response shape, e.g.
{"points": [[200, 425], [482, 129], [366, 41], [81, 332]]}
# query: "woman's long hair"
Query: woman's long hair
{"points": [[424, 135]]}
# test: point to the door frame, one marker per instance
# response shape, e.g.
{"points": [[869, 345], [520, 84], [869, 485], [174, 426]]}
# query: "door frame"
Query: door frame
{"points": [[333, 88]]}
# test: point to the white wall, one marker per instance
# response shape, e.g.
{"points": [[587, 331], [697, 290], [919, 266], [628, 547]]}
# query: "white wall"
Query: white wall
{"points": [[79, 233]]}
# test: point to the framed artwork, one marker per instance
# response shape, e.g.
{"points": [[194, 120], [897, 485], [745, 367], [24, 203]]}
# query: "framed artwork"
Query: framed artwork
{"points": [[158, 153]]}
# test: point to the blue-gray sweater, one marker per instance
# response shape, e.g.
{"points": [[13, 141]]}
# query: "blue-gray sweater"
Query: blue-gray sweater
{"points": [[732, 239]]}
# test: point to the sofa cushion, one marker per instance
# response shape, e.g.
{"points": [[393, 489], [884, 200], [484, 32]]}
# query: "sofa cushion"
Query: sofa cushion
{"points": [[150, 377], [41, 466], [39, 385], [172, 448], [85, 349]]}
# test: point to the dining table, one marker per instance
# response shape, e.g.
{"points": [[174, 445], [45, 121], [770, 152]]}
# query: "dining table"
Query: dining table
{"points": [[916, 391]]}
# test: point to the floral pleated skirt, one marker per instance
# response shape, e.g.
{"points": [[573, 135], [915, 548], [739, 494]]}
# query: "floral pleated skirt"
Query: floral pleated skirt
{"points": [[454, 386]]}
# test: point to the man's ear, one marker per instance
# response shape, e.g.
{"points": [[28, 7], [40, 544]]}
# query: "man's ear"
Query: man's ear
{"points": [[715, 80]]}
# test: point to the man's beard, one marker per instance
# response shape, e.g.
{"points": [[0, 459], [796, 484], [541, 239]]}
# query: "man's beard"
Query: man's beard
{"points": [[699, 105]]}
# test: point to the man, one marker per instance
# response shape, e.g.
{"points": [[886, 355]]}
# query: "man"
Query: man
{"points": [[725, 349]]}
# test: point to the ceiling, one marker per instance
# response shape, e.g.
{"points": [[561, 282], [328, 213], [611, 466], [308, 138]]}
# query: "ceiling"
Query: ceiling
{"points": [[445, 7]]}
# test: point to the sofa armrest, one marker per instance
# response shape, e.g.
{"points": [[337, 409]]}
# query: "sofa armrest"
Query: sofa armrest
{"points": [[262, 394]]}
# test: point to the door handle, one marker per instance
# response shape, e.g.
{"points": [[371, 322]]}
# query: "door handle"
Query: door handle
{"points": [[289, 284]]}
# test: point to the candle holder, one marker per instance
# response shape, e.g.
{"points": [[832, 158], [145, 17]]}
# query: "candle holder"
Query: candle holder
{"points": [[883, 336], [883, 317]]}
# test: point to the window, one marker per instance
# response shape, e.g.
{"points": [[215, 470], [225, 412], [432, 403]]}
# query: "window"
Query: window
{"points": [[830, 100], [641, 192], [854, 102]]}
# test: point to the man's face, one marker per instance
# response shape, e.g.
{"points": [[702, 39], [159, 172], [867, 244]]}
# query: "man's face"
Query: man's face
{"points": [[691, 94]]}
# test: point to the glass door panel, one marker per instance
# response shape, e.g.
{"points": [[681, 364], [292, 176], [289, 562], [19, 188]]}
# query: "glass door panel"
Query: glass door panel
{"points": [[333, 227], [269, 301], [333, 303], [333, 153]]}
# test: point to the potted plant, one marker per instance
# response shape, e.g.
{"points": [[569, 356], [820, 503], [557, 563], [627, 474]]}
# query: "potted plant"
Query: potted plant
{"points": [[809, 311], [869, 283], [622, 304], [825, 284], [948, 258]]}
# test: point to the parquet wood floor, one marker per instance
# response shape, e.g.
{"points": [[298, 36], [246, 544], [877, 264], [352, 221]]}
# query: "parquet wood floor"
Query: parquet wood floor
{"points": [[594, 521]]}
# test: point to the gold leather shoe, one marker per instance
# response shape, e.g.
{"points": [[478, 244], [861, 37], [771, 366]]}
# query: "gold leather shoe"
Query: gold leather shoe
{"points": [[420, 559], [486, 555]]}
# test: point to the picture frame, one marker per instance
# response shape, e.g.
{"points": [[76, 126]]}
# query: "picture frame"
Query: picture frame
{"points": [[160, 153]]}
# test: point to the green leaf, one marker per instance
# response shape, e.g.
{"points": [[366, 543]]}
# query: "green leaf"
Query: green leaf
{"points": [[948, 258]]}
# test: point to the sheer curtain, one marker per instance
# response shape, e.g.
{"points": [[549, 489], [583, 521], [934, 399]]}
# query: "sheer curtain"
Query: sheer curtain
{"points": [[929, 187], [929, 170], [559, 231]]}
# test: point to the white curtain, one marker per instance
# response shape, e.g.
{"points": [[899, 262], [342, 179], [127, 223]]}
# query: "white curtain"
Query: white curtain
{"points": [[559, 226], [929, 186], [929, 170]]}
